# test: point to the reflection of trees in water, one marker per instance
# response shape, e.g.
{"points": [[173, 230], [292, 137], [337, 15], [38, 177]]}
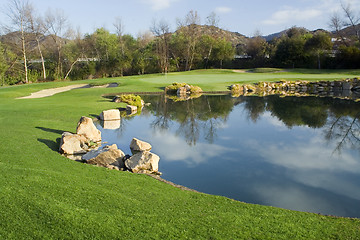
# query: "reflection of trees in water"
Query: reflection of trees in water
{"points": [[344, 130], [189, 126], [254, 106], [203, 116], [195, 116], [295, 111], [160, 110]]}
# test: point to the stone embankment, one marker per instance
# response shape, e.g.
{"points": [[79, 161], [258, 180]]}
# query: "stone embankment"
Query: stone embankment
{"points": [[346, 89]]}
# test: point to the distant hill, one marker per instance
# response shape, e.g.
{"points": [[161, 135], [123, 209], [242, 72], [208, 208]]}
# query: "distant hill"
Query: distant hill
{"points": [[271, 37], [348, 31], [234, 37]]}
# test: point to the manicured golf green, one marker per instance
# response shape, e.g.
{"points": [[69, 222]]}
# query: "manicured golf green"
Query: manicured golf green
{"points": [[44, 195]]}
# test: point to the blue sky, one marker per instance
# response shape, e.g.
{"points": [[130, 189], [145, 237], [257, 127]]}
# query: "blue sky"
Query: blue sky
{"points": [[244, 17]]}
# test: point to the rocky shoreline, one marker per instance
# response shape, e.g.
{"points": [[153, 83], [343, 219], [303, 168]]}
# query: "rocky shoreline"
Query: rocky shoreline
{"points": [[346, 89]]}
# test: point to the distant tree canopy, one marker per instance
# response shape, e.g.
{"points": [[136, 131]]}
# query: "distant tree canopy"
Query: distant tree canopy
{"points": [[38, 48]]}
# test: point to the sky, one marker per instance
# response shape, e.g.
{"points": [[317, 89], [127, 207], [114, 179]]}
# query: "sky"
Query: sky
{"points": [[243, 16]]}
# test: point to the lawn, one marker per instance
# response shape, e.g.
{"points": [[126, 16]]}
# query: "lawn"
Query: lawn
{"points": [[44, 195]]}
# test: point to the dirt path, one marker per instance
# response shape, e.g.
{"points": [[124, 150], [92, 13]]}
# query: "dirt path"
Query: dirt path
{"points": [[51, 91]]}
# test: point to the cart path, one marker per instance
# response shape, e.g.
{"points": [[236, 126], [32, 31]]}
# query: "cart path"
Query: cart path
{"points": [[51, 91]]}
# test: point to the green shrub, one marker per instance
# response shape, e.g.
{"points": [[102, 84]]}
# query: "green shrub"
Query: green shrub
{"points": [[174, 87], [131, 99], [195, 89]]}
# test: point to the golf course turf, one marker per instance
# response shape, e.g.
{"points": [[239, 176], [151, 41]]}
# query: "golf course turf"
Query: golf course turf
{"points": [[44, 195]]}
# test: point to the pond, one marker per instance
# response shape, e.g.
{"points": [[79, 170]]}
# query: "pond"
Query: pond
{"points": [[289, 152]]}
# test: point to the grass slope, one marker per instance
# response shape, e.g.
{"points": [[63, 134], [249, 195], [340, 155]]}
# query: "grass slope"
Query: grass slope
{"points": [[46, 196]]}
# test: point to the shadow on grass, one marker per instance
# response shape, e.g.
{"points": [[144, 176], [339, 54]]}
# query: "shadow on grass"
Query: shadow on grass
{"points": [[94, 116], [51, 130], [53, 145]]}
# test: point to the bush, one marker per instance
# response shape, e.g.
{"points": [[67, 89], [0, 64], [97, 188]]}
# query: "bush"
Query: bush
{"points": [[131, 99], [174, 87]]}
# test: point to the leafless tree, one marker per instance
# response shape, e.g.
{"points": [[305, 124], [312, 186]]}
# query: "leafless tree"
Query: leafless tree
{"points": [[38, 30], [119, 26], [162, 31], [19, 12], [58, 28], [75, 50], [336, 24], [352, 20], [190, 28], [213, 20]]}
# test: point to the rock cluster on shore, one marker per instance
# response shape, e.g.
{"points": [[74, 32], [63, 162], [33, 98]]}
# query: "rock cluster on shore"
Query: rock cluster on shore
{"points": [[183, 91], [347, 89], [84, 147]]}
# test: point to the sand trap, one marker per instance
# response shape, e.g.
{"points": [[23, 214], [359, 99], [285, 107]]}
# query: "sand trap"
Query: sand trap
{"points": [[51, 91]]}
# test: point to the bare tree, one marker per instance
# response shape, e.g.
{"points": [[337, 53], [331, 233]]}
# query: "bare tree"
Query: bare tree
{"points": [[162, 31], [352, 19], [213, 20], [57, 26], [190, 28], [38, 29], [19, 12], [119, 26], [74, 51]]}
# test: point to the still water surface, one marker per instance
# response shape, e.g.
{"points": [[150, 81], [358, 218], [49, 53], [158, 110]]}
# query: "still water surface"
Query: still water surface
{"points": [[294, 153]]}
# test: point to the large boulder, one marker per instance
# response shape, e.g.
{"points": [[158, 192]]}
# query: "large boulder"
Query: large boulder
{"points": [[137, 145], [144, 162], [87, 128], [112, 114], [109, 155], [73, 143]]}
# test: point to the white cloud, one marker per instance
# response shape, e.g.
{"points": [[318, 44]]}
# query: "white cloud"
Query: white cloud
{"points": [[313, 164], [157, 5], [176, 149], [223, 9], [280, 126], [293, 198], [301, 156], [290, 15]]}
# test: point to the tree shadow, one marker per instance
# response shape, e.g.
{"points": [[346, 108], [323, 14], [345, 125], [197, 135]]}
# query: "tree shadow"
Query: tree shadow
{"points": [[53, 145], [51, 130]]}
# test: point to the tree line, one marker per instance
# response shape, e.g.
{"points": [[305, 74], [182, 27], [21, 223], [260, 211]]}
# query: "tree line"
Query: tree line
{"points": [[44, 47]]}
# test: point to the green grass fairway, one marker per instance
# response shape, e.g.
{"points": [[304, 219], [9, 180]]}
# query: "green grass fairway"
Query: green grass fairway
{"points": [[46, 196]]}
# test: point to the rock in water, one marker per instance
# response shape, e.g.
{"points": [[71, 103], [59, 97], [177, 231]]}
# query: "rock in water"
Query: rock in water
{"points": [[87, 128], [112, 114], [73, 143], [131, 108], [144, 162], [137, 145]]}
